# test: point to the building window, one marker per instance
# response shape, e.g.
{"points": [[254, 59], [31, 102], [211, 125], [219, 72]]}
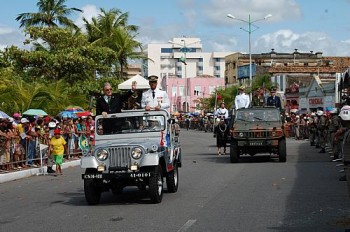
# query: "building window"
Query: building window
{"points": [[166, 50], [200, 68], [197, 90], [174, 108], [200, 59], [217, 59], [217, 68], [181, 91], [174, 91], [179, 68], [211, 89]]}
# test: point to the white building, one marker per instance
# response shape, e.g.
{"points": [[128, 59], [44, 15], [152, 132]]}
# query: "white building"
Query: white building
{"points": [[164, 59]]}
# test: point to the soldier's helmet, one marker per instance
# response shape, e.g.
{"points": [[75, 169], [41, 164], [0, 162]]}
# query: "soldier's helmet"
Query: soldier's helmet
{"points": [[345, 113]]}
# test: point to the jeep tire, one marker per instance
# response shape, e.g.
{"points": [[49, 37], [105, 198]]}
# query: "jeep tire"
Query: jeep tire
{"points": [[282, 150], [91, 190], [234, 152], [172, 180], [156, 185]]}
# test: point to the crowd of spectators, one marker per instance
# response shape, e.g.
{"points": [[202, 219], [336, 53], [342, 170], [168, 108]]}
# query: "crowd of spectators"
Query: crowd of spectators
{"points": [[24, 141]]}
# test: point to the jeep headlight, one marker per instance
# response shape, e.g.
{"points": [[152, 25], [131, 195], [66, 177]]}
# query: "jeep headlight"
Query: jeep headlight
{"points": [[102, 155], [241, 134], [136, 153]]}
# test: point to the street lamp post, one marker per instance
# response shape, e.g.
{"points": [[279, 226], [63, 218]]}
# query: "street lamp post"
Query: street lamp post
{"points": [[184, 49], [250, 30]]}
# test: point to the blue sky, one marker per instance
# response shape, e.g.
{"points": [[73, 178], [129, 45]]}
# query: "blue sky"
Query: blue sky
{"points": [[306, 25]]}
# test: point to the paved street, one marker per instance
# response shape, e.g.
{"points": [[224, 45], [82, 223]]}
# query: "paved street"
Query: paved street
{"points": [[257, 194]]}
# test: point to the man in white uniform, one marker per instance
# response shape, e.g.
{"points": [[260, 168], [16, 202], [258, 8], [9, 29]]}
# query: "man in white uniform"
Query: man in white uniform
{"points": [[242, 100], [154, 98]]}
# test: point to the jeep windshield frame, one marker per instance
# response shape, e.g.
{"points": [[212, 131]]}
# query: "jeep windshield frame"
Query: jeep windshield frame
{"points": [[129, 124], [258, 114]]}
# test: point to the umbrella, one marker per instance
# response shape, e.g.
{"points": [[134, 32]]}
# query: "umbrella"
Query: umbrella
{"points": [[3, 115], [74, 109], [84, 113], [35, 112], [67, 114]]}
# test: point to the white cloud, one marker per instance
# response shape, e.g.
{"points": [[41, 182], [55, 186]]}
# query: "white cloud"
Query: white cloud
{"points": [[287, 41], [89, 11], [6, 30], [11, 36]]}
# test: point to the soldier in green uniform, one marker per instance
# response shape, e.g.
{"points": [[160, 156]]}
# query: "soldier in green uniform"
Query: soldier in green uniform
{"points": [[322, 129], [258, 98]]}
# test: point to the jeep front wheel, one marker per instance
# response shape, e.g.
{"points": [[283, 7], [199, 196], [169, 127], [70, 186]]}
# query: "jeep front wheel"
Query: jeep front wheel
{"points": [[282, 150], [172, 180], [156, 185], [91, 190], [234, 152]]}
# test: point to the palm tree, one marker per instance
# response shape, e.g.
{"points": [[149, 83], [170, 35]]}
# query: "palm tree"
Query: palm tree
{"points": [[102, 28], [110, 29], [51, 14]]}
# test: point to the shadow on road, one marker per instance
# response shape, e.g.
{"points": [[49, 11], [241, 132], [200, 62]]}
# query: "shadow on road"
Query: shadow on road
{"points": [[130, 195], [318, 200]]}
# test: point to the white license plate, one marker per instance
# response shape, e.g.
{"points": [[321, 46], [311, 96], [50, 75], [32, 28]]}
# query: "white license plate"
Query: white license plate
{"points": [[255, 143], [92, 176], [140, 175]]}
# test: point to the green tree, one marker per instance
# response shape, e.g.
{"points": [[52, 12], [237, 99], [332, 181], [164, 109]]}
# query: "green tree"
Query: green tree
{"points": [[60, 55], [52, 13]]}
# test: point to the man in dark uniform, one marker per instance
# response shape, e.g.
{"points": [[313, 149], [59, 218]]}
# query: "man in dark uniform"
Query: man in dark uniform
{"points": [[274, 100], [111, 103]]}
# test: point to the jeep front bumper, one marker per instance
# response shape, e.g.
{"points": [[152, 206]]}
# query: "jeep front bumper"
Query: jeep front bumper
{"points": [[119, 175]]}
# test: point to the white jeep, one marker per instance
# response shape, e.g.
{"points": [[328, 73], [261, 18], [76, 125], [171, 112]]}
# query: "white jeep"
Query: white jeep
{"points": [[133, 148]]}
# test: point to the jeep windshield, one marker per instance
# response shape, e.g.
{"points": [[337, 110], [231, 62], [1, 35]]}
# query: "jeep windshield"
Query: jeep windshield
{"points": [[130, 124], [251, 115]]}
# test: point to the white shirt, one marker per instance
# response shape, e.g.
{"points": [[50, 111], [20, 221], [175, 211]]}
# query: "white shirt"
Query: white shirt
{"points": [[242, 101], [222, 113], [161, 98]]}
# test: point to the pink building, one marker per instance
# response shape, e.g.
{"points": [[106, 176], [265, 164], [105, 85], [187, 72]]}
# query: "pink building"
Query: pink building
{"points": [[197, 87]]}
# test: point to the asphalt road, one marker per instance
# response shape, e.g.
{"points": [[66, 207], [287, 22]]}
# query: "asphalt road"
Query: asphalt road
{"points": [[257, 194]]}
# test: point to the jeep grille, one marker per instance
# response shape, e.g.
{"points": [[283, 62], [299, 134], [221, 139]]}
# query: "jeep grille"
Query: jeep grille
{"points": [[119, 156], [257, 134]]}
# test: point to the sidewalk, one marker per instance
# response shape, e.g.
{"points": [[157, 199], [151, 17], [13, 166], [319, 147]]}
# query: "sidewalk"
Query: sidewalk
{"points": [[15, 175]]}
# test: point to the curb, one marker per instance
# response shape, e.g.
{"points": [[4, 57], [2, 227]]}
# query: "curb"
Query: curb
{"points": [[34, 171]]}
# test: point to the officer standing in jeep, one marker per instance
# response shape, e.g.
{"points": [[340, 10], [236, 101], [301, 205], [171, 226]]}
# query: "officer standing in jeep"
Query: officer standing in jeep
{"points": [[274, 100], [258, 98], [154, 98]]}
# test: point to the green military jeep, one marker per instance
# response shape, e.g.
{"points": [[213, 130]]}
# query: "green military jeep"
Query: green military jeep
{"points": [[257, 130]]}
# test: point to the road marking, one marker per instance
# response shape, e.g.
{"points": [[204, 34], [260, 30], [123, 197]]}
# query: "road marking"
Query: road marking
{"points": [[187, 225]]}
